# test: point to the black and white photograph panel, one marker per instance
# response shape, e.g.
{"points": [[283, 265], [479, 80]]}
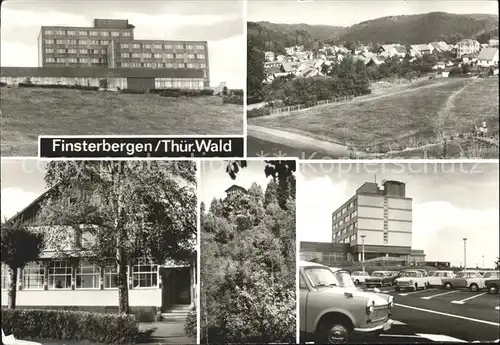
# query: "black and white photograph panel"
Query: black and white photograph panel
{"points": [[120, 68], [99, 252], [398, 253], [248, 252], [373, 79]]}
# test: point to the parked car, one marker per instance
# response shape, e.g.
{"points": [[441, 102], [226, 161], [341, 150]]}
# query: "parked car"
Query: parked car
{"points": [[436, 278], [492, 285], [461, 280], [411, 280], [476, 284], [359, 277], [380, 278], [333, 310]]}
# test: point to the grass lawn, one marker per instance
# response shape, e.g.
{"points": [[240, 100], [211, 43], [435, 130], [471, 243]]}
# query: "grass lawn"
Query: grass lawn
{"points": [[475, 105], [27, 113], [404, 119]]}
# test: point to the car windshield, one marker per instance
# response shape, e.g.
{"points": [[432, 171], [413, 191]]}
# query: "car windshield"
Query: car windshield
{"points": [[409, 274], [377, 274], [321, 277], [492, 275], [344, 279]]}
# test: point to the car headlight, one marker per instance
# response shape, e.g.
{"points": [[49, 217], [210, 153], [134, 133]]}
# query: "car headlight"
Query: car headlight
{"points": [[411, 282], [370, 306], [391, 302]]}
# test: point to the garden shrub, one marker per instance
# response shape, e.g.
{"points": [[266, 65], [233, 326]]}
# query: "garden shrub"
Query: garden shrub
{"points": [[3, 84], [59, 86], [70, 325], [190, 327], [257, 112]]}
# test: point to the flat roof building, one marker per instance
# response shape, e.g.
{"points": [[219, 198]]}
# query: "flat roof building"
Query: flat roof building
{"points": [[110, 43]]}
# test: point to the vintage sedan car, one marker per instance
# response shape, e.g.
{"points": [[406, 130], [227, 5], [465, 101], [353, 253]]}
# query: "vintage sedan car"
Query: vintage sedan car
{"points": [[411, 280], [492, 285], [359, 277], [380, 278], [476, 284], [334, 311], [436, 278], [461, 280]]}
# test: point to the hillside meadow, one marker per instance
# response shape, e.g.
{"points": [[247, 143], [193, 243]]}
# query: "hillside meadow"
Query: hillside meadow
{"points": [[410, 118], [27, 113]]}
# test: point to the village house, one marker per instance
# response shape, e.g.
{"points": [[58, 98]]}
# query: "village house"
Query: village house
{"points": [[469, 59], [418, 50], [440, 46], [269, 56], [467, 46], [493, 42], [488, 57], [439, 66], [75, 281]]}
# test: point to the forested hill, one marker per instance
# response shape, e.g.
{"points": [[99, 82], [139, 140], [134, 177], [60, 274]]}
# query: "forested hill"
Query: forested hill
{"points": [[316, 32], [407, 29], [423, 28], [275, 37]]}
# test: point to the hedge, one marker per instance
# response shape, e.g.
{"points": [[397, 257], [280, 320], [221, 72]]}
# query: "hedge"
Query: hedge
{"points": [[132, 91], [232, 100], [237, 92], [60, 86], [70, 325], [172, 92], [2, 83], [191, 326]]}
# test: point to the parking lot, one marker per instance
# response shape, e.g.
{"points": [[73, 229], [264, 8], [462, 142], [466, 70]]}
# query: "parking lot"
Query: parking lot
{"points": [[443, 315]]}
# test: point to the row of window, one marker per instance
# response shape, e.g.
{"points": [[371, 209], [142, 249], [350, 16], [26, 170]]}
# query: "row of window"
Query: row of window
{"points": [[160, 55], [74, 60], [321, 256], [347, 229], [344, 220], [78, 42], [74, 51], [161, 65], [87, 276], [87, 33], [162, 46], [349, 206], [181, 83]]}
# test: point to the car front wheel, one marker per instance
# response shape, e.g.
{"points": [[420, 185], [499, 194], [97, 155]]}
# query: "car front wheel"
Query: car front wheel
{"points": [[334, 332], [447, 286]]}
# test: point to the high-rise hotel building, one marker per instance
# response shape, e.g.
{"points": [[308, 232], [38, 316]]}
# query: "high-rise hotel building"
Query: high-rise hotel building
{"points": [[110, 43], [379, 217]]}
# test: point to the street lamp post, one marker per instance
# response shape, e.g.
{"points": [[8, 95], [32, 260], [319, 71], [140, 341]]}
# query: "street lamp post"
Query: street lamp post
{"points": [[465, 253], [363, 252], [483, 262]]}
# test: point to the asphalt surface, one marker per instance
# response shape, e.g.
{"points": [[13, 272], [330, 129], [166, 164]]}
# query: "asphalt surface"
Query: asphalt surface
{"points": [[438, 315], [257, 147]]}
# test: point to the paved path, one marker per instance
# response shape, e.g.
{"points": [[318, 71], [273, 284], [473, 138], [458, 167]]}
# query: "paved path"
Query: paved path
{"points": [[298, 140]]}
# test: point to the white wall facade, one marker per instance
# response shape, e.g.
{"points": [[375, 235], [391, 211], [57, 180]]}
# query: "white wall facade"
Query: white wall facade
{"points": [[148, 297], [369, 200], [370, 212], [370, 224]]}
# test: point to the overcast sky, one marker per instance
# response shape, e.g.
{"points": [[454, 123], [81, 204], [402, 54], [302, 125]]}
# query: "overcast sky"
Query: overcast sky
{"points": [[347, 13], [450, 202], [215, 180], [221, 23]]}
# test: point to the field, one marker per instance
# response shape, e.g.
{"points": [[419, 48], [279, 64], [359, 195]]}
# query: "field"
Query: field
{"points": [[27, 113], [410, 117]]}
